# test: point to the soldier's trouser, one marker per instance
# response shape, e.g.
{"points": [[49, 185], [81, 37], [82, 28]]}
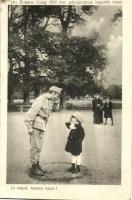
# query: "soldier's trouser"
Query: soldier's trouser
{"points": [[36, 144]]}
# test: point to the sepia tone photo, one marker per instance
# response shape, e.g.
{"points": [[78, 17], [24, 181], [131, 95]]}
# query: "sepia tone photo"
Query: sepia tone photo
{"points": [[64, 121]]}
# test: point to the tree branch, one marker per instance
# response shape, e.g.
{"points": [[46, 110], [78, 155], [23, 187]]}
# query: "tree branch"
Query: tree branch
{"points": [[46, 23]]}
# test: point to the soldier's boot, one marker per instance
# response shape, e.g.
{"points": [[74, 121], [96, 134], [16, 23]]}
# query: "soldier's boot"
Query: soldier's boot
{"points": [[77, 170], [36, 171], [72, 168], [40, 168]]}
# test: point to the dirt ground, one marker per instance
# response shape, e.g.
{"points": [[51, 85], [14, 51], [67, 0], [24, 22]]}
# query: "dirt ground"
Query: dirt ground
{"points": [[101, 157]]}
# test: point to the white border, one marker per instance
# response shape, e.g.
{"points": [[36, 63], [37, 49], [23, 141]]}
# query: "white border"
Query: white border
{"points": [[91, 192]]}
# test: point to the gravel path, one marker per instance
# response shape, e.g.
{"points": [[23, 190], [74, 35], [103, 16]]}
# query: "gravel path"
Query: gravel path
{"points": [[101, 157]]}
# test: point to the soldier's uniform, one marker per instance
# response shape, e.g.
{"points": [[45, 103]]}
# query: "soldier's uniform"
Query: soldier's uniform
{"points": [[36, 119]]}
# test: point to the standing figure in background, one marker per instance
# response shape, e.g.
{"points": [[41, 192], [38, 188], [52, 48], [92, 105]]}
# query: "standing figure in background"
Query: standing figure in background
{"points": [[36, 119], [97, 107], [108, 106], [93, 105]]}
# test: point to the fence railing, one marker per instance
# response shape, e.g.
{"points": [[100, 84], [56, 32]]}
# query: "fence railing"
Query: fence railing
{"points": [[69, 104], [79, 102]]}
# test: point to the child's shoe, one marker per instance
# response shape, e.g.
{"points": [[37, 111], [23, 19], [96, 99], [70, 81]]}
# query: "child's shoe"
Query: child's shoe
{"points": [[72, 168], [77, 170]]}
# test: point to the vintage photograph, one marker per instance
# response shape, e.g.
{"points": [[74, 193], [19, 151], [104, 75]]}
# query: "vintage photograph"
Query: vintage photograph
{"points": [[64, 121]]}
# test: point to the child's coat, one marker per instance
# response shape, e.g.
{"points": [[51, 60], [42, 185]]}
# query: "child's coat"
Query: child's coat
{"points": [[75, 138]]}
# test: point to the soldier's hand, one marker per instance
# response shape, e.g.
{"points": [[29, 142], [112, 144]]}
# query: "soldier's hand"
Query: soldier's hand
{"points": [[30, 132]]}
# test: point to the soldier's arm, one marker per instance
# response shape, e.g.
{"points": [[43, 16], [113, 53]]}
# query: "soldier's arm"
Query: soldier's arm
{"points": [[32, 112]]}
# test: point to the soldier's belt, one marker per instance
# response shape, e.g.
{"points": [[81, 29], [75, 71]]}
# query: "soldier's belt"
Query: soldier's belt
{"points": [[44, 118]]}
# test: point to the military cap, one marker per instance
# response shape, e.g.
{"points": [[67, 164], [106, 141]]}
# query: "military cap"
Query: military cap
{"points": [[55, 89]]}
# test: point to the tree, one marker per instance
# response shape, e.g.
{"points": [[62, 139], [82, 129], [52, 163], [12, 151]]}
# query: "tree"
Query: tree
{"points": [[24, 21], [69, 16], [115, 91], [77, 69], [53, 58], [117, 16]]}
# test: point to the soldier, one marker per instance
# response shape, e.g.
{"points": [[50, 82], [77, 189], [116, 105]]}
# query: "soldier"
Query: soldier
{"points": [[35, 120]]}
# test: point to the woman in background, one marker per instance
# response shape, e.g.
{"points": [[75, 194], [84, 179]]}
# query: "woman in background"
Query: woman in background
{"points": [[97, 107]]}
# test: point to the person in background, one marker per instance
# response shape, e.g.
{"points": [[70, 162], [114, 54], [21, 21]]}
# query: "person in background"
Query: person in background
{"points": [[97, 107], [108, 106], [93, 107], [74, 142], [35, 120]]}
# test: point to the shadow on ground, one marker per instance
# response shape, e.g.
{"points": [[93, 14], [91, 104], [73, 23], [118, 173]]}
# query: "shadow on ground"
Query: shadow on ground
{"points": [[101, 157], [57, 173]]}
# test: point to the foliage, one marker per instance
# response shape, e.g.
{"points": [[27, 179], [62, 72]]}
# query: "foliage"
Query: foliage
{"points": [[115, 91], [75, 67], [24, 22], [117, 17], [39, 58]]}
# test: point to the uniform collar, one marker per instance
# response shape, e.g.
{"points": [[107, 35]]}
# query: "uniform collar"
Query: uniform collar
{"points": [[48, 96]]}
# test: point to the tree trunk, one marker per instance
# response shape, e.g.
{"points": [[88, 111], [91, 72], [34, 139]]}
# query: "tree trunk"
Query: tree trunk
{"points": [[37, 92], [10, 96], [10, 81], [26, 96], [61, 100]]}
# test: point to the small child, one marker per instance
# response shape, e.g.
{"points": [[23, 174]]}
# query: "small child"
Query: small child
{"points": [[108, 106], [74, 142]]}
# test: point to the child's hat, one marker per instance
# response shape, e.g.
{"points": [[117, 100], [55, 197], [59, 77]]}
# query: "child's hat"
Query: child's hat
{"points": [[78, 116]]}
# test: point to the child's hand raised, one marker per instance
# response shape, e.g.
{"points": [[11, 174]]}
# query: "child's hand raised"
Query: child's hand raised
{"points": [[68, 124]]}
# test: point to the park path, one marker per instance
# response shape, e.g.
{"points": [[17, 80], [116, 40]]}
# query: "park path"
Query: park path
{"points": [[101, 157]]}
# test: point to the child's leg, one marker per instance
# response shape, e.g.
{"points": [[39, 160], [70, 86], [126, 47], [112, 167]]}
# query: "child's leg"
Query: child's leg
{"points": [[78, 158], [78, 162], [72, 168], [74, 159]]}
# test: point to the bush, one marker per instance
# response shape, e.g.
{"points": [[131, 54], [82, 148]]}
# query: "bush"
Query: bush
{"points": [[13, 107], [69, 106]]}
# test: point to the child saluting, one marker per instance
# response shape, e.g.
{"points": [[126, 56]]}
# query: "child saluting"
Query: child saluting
{"points": [[74, 142]]}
